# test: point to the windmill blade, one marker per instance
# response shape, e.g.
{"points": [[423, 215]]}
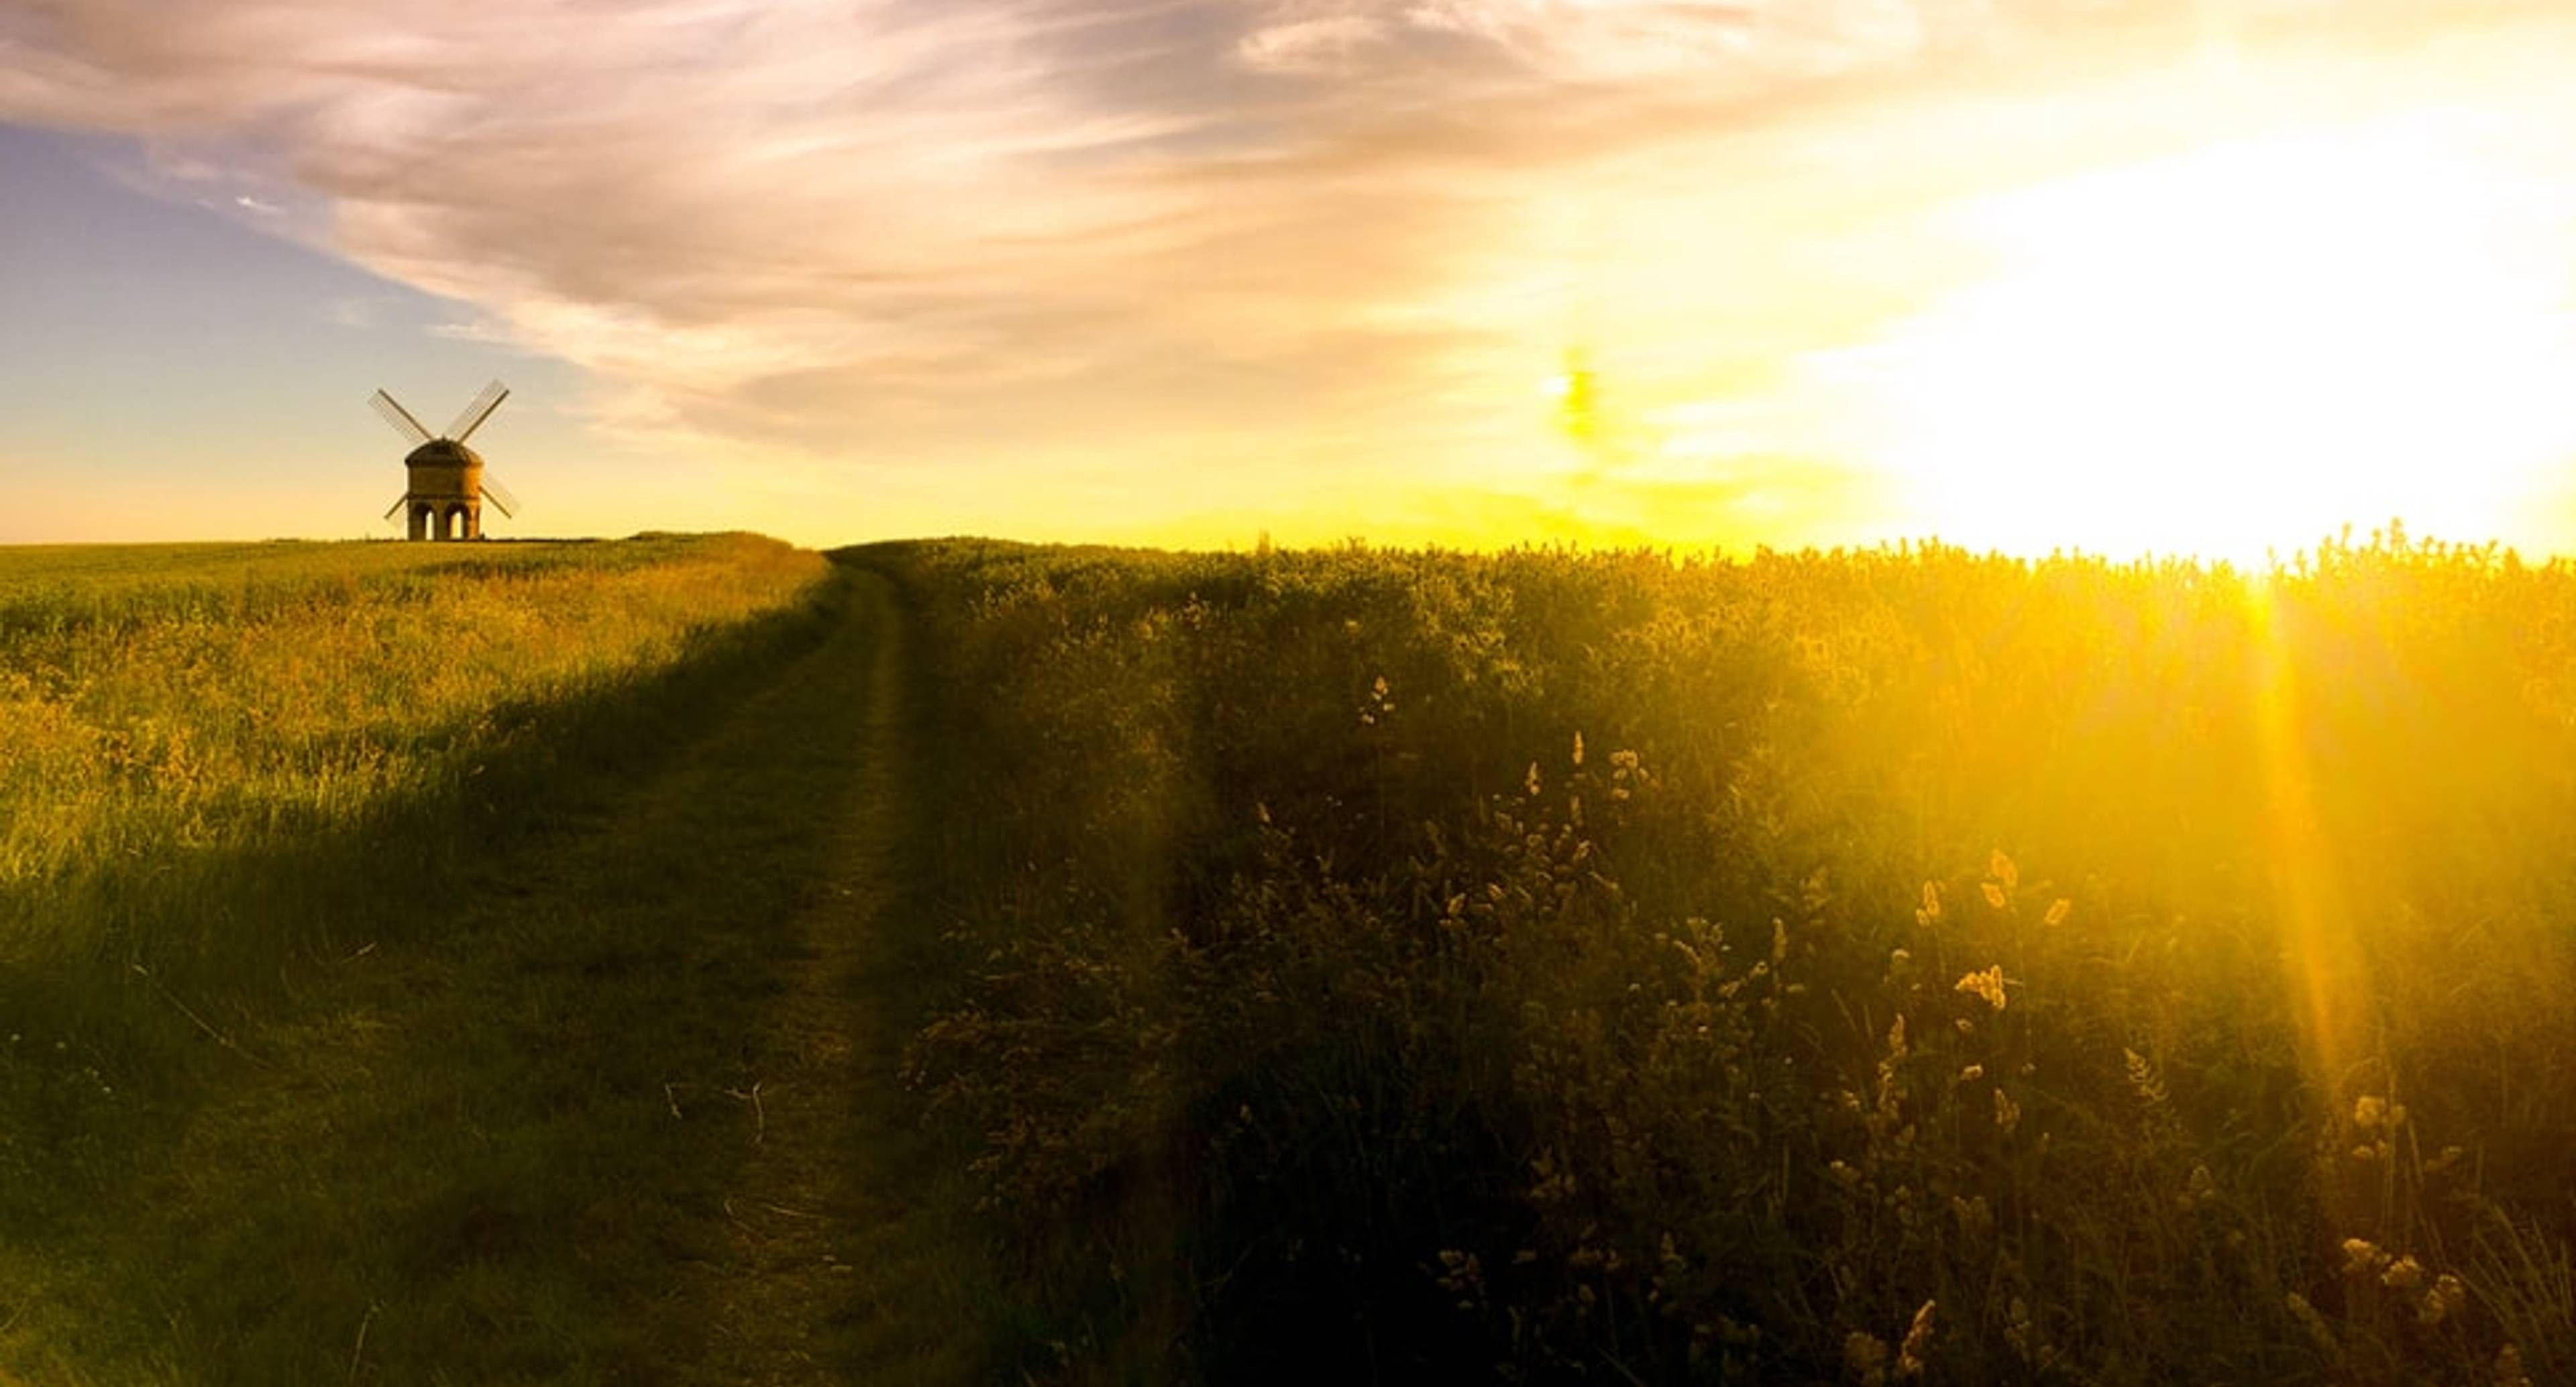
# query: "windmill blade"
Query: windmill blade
{"points": [[396, 508], [472, 416], [399, 417], [500, 497]]}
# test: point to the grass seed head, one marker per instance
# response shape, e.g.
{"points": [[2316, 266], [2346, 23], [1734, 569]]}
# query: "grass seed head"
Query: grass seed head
{"points": [[1915, 1354], [1865, 1358]]}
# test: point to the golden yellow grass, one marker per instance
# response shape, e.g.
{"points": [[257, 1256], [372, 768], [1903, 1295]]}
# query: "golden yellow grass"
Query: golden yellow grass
{"points": [[1966, 970], [160, 702]]}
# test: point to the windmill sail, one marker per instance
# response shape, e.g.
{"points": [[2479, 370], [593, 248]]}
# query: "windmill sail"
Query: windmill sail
{"points": [[447, 494], [399, 417], [473, 415]]}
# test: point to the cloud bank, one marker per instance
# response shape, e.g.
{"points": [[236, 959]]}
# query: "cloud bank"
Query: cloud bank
{"points": [[1119, 239]]}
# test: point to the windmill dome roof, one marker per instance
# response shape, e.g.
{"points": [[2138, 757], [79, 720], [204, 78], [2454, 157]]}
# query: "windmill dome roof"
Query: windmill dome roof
{"points": [[443, 452]]}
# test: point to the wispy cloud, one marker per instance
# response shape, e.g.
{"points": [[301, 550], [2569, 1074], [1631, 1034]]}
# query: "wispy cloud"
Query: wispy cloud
{"points": [[1311, 232], [1325, 42]]}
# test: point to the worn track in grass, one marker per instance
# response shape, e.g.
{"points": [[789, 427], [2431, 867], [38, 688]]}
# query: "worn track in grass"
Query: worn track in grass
{"points": [[627, 1115]]}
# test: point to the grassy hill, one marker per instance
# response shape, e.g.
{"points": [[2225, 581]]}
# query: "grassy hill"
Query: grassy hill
{"points": [[694, 960], [172, 716], [1866, 967], [372, 915]]}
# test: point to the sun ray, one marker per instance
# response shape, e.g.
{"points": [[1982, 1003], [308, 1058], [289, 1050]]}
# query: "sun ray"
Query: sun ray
{"points": [[2305, 885]]}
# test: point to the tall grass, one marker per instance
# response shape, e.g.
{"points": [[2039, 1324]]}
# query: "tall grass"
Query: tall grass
{"points": [[1874, 967], [151, 726], [220, 762]]}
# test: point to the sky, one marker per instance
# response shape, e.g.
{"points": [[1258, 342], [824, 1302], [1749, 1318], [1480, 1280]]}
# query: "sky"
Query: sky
{"points": [[2200, 276]]}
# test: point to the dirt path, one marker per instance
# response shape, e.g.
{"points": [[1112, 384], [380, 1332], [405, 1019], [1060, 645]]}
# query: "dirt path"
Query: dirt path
{"points": [[831, 1275], [628, 1115]]}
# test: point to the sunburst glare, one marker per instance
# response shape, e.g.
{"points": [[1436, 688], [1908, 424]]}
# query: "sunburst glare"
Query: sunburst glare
{"points": [[2243, 348]]}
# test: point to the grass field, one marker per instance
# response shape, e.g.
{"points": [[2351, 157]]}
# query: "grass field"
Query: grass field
{"points": [[689, 960], [1869, 968], [372, 910], [195, 707]]}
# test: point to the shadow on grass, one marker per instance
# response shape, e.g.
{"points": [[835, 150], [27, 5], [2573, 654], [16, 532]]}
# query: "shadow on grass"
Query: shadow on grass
{"points": [[470, 1093], [127, 988]]}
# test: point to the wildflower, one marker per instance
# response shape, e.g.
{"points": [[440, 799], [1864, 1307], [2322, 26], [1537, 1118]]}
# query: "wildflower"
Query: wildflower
{"points": [[1988, 984], [1378, 705], [1865, 1356], [2025, 1338], [2404, 1274], [2311, 1321], [1930, 912], [2448, 1296], [2369, 1111], [1976, 1217], [1917, 1348], [1972, 1073], [1463, 1276], [1533, 779], [2361, 1256], [2143, 1079], [1890, 1088], [1626, 774]]}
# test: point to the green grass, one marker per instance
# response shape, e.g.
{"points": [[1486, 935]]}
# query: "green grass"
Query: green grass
{"points": [[167, 724], [432, 1138], [1400, 966], [537, 963]]}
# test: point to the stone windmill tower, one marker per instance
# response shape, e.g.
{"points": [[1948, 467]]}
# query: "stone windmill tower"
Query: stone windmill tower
{"points": [[447, 487]]}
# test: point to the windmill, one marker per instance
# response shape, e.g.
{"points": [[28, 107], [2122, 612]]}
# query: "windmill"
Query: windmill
{"points": [[447, 488]]}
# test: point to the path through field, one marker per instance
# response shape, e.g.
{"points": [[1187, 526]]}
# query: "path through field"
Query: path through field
{"points": [[629, 1116]]}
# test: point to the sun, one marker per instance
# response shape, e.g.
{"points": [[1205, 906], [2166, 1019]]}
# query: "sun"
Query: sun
{"points": [[1575, 391], [2242, 348]]}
